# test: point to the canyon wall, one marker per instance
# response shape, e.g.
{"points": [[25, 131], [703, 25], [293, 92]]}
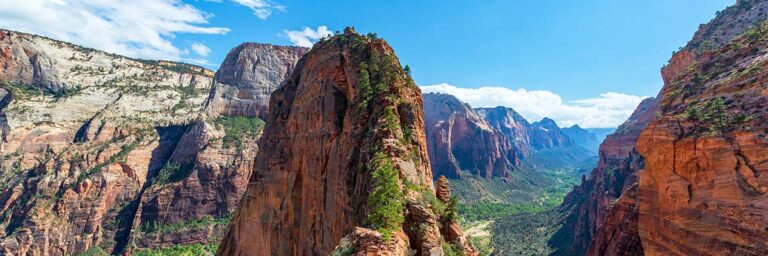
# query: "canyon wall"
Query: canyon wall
{"points": [[104, 152], [703, 188]]}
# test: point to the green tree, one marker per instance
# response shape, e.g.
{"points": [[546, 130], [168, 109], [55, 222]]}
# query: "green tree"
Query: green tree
{"points": [[386, 199]]}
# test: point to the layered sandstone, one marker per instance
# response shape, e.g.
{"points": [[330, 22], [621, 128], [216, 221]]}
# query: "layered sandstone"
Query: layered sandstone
{"points": [[601, 218], [108, 152], [703, 188], [461, 140], [347, 109]]}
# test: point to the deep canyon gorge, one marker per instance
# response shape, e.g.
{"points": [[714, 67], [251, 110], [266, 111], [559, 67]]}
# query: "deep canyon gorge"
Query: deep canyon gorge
{"points": [[335, 150]]}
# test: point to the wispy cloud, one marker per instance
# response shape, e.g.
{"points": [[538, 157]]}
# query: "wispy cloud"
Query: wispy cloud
{"points": [[306, 37], [607, 110], [200, 49], [261, 8], [136, 28]]}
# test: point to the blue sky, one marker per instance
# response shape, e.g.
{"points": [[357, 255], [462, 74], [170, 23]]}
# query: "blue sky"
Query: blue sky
{"points": [[575, 50]]}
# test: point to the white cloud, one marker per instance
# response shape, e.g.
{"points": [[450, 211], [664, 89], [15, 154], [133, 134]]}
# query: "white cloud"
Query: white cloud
{"points": [[608, 110], [306, 37], [261, 8], [136, 28], [200, 49]]}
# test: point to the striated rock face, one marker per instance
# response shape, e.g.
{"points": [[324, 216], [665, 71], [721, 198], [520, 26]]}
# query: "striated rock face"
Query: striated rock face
{"points": [[248, 75], [703, 188], [515, 128], [219, 149], [460, 139], [601, 213], [101, 151], [348, 110]]}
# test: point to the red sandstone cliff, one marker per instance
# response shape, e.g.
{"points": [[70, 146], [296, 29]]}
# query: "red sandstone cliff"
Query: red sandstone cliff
{"points": [[703, 188], [601, 216], [699, 190], [348, 110]]}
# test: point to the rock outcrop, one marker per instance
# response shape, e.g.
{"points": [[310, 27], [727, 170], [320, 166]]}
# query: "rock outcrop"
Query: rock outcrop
{"points": [[461, 140], [703, 188], [547, 135], [218, 150], [694, 179], [601, 213], [107, 153], [512, 125], [249, 75], [343, 153]]}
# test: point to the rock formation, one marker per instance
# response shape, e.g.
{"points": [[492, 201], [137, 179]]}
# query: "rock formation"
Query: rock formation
{"points": [[104, 152], [547, 135], [491, 142], [703, 188], [248, 75], [344, 164], [691, 179], [602, 211], [461, 140], [512, 125]]}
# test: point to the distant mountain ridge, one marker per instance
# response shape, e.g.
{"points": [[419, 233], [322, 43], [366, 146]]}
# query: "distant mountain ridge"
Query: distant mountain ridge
{"points": [[589, 138], [491, 142]]}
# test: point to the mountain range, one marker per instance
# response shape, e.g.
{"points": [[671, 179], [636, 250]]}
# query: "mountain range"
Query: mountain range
{"points": [[333, 150]]}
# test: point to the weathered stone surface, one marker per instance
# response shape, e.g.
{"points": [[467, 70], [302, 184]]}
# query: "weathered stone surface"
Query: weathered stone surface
{"points": [[366, 242], [593, 203], [459, 139], [703, 188], [443, 189], [311, 181], [249, 75], [86, 135], [515, 128]]}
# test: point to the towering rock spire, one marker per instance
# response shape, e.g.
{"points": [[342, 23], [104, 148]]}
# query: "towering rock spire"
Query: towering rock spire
{"points": [[344, 150]]}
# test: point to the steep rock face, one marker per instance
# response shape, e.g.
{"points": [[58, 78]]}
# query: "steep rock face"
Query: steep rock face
{"points": [[515, 128], [703, 188], [349, 110], [601, 217], [248, 75], [459, 139], [218, 150], [105, 152], [83, 134]]}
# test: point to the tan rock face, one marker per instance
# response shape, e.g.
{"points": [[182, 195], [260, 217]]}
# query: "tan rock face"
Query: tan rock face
{"points": [[703, 188], [347, 100], [248, 75], [100, 150]]}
